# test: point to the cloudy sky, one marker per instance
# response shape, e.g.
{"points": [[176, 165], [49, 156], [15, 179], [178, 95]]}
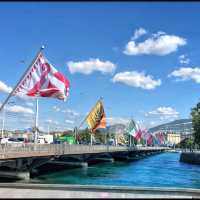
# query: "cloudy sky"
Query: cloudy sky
{"points": [[142, 58]]}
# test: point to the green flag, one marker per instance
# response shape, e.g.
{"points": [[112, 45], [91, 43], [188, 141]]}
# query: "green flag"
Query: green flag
{"points": [[131, 128]]}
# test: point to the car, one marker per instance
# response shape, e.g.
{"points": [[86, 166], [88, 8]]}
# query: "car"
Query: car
{"points": [[11, 141]]}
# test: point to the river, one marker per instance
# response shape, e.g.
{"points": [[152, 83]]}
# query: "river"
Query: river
{"points": [[161, 170]]}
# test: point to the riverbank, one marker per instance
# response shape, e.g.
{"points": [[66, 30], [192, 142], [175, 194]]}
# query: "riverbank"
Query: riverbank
{"points": [[190, 157], [18, 190]]}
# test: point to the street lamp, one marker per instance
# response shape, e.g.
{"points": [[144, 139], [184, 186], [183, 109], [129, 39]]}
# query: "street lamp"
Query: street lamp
{"points": [[3, 118]]}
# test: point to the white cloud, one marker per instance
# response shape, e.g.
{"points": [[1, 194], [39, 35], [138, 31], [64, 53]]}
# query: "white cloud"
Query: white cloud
{"points": [[69, 121], [159, 44], [183, 59], [152, 123], [56, 122], [187, 74], [29, 104], [87, 67], [159, 33], [71, 112], [48, 121], [56, 108], [5, 88], [116, 120], [136, 79], [138, 33], [164, 113], [24, 97], [19, 109]]}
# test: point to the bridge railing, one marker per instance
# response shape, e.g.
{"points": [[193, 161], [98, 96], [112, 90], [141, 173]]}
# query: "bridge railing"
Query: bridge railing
{"points": [[23, 150]]}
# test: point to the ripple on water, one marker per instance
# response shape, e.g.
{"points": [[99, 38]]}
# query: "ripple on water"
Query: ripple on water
{"points": [[162, 170]]}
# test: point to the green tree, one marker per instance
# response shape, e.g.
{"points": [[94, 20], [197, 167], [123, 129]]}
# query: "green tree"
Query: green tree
{"points": [[84, 135], [186, 143], [196, 123]]}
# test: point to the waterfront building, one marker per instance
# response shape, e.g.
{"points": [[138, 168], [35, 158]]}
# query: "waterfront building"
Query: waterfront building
{"points": [[173, 138]]}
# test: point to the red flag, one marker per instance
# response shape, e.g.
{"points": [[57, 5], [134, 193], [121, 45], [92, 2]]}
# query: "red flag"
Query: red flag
{"points": [[138, 135], [150, 139], [43, 80]]}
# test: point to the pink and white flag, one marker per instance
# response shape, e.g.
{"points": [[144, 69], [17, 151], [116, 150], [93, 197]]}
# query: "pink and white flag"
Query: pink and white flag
{"points": [[160, 137], [150, 139], [43, 80], [144, 134], [138, 134], [147, 136]]}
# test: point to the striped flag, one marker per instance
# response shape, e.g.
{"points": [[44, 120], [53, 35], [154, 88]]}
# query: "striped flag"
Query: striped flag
{"points": [[138, 134], [160, 137], [96, 118], [150, 139], [43, 80], [147, 136]]}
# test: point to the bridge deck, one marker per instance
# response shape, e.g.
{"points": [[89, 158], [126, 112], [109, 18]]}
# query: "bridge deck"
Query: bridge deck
{"points": [[12, 151]]}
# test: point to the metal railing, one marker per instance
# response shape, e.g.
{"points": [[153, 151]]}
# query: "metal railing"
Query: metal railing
{"points": [[32, 150]]}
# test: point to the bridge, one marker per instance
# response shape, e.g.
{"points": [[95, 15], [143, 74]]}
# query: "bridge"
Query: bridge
{"points": [[26, 160]]}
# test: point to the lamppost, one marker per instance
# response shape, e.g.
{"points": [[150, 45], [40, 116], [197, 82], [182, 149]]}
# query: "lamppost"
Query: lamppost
{"points": [[3, 118]]}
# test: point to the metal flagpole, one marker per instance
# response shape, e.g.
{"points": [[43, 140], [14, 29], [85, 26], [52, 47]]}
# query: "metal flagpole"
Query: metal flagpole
{"points": [[33, 62], [91, 139], [75, 134], [36, 123], [3, 122]]}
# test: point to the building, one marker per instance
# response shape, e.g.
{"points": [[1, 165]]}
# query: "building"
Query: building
{"points": [[173, 138]]}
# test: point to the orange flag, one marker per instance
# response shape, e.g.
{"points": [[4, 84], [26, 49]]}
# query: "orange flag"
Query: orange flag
{"points": [[96, 118]]}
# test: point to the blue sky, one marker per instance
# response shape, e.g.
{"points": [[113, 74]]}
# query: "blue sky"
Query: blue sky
{"points": [[143, 58]]}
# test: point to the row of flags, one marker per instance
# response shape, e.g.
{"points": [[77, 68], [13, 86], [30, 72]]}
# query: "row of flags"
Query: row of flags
{"points": [[42, 80], [139, 134]]}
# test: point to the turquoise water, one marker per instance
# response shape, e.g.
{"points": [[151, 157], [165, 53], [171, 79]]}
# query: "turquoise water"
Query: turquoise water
{"points": [[162, 170]]}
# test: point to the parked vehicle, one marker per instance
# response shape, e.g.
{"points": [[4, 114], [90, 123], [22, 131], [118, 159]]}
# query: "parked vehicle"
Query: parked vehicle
{"points": [[45, 139], [11, 141]]}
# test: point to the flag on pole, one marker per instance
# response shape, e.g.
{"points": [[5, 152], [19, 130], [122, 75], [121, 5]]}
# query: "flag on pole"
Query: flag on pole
{"points": [[43, 80], [131, 128], [138, 134], [134, 130], [147, 136], [96, 118], [150, 139], [160, 137]]}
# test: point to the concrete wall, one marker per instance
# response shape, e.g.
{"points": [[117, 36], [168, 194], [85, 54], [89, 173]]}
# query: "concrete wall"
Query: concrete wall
{"points": [[18, 190], [190, 157]]}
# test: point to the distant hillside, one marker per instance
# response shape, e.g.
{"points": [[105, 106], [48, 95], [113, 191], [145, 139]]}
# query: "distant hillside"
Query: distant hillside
{"points": [[182, 125], [116, 128]]}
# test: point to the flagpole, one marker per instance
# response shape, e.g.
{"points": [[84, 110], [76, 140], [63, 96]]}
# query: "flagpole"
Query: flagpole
{"points": [[11, 93], [3, 123], [91, 139], [36, 123]]}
